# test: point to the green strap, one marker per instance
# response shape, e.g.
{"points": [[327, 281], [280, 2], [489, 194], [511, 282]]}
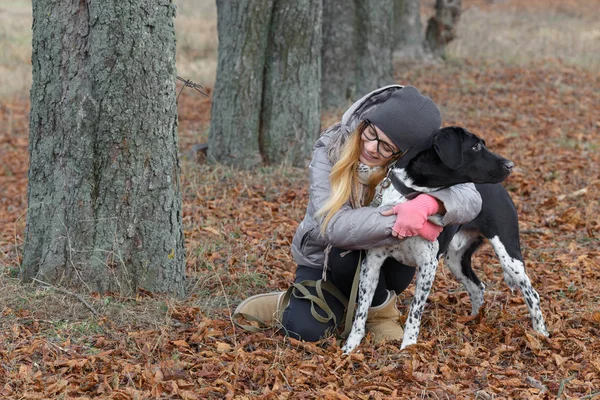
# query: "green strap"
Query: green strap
{"points": [[352, 300], [300, 291], [262, 326]]}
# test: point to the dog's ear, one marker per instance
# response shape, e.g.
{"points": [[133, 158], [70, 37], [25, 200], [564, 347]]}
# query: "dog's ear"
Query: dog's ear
{"points": [[448, 146]]}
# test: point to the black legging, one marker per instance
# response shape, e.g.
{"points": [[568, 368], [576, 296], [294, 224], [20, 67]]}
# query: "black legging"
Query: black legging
{"points": [[298, 321]]}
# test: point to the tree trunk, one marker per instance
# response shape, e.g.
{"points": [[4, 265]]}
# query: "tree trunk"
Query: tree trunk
{"points": [[374, 44], [104, 197], [441, 28], [357, 49], [266, 107], [338, 65], [243, 29], [408, 31], [291, 105]]}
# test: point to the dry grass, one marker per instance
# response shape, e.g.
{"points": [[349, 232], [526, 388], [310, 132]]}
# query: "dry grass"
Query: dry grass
{"points": [[238, 227], [516, 32], [15, 42], [518, 36], [196, 30], [506, 30]]}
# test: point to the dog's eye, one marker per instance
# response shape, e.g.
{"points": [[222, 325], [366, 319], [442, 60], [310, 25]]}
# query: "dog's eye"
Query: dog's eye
{"points": [[477, 146]]}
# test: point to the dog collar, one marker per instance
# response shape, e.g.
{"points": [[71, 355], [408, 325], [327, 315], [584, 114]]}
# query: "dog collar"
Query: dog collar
{"points": [[399, 186]]}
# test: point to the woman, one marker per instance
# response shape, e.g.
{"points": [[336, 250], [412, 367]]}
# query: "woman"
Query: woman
{"points": [[349, 160]]}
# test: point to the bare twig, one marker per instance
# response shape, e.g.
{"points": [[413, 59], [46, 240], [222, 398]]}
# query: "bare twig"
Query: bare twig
{"points": [[589, 396], [576, 193], [561, 388], [228, 306], [536, 384], [483, 394], [25, 321], [527, 231], [65, 291]]}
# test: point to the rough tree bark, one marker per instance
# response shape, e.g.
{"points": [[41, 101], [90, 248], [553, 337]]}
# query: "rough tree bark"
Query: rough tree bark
{"points": [[357, 49], [441, 28], [338, 65], [243, 29], [104, 198], [408, 31], [291, 109], [374, 44], [266, 98]]}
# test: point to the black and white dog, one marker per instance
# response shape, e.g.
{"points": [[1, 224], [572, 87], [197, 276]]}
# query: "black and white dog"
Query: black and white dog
{"points": [[453, 155]]}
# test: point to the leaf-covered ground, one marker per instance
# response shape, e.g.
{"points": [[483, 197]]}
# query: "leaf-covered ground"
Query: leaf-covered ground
{"points": [[544, 116], [238, 229]]}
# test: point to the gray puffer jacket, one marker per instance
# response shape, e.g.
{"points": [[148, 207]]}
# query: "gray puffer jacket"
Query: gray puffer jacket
{"points": [[364, 227]]}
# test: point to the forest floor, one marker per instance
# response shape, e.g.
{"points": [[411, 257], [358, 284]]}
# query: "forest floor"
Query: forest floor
{"points": [[543, 115]]}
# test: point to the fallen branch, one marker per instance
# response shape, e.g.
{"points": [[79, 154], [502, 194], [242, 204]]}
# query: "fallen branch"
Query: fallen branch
{"points": [[576, 193], [65, 291], [589, 396], [536, 384], [25, 321], [562, 385], [530, 231]]}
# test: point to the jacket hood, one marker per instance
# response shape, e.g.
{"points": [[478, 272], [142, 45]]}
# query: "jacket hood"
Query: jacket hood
{"points": [[361, 107], [354, 115]]}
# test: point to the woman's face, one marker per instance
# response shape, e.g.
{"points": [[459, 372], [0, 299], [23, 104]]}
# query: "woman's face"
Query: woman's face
{"points": [[373, 138]]}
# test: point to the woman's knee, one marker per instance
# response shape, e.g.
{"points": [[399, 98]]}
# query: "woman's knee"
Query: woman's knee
{"points": [[298, 320], [304, 327]]}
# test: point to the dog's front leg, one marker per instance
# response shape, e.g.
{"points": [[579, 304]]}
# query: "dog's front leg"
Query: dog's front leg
{"points": [[425, 276], [369, 277]]}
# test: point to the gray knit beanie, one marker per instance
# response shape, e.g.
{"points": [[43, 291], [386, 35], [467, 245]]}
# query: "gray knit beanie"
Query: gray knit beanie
{"points": [[407, 117]]}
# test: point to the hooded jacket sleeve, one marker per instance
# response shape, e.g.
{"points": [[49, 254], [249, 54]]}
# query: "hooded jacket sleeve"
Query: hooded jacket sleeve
{"points": [[462, 203], [349, 228]]}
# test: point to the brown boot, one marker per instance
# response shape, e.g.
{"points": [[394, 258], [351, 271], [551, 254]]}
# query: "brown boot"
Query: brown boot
{"points": [[382, 321], [264, 308]]}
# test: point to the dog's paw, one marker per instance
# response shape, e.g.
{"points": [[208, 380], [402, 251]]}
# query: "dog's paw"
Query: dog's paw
{"points": [[410, 336], [542, 330], [406, 343]]}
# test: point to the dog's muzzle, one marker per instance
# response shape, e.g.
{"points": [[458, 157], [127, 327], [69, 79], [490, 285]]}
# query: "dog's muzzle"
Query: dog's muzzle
{"points": [[508, 165]]}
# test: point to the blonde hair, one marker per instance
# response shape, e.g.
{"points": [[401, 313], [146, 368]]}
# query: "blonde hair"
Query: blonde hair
{"points": [[344, 179]]}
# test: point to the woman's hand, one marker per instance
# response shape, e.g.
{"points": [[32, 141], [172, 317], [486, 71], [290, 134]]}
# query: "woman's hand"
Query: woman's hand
{"points": [[411, 218], [430, 231]]}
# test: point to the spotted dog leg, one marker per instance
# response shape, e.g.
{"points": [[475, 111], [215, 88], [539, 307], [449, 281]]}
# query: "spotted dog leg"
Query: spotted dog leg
{"points": [[458, 260], [425, 276], [515, 271], [369, 276]]}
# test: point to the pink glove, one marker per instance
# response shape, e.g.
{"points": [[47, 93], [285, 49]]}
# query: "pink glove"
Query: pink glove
{"points": [[412, 216], [430, 231]]}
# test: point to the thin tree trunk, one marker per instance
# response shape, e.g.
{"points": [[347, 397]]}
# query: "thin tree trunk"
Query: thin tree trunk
{"points": [[374, 44], [243, 29], [291, 102], [408, 31], [339, 56], [266, 107], [104, 198], [357, 49], [441, 28]]}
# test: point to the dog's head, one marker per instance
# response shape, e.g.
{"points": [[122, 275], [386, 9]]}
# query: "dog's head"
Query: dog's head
{"points": [[457, 156]]}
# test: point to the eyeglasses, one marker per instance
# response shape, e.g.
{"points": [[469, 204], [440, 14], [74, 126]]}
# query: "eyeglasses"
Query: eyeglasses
{"points": [[384, 149]]}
